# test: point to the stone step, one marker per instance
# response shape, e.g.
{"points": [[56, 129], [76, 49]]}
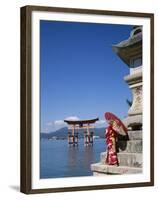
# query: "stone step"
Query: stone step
{"points": [[132, 135], [133, 121], [100, 169], [135, 135], [131, 146], [125, 159]]}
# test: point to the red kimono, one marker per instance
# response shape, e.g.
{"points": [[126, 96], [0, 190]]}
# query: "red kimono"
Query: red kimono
{"points": [[110, 136]]}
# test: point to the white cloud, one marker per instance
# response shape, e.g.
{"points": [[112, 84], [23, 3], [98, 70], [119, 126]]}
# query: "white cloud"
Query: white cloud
{"points": [[72, 118], [59, 122], [49, 123], [46, 131], [100, 123]]}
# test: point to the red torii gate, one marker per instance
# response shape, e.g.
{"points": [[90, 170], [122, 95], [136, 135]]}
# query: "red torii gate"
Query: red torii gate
{"points": [[74, 126]]}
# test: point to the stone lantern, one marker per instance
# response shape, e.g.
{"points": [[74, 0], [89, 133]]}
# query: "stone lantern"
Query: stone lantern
{"points": [[130, 51]]}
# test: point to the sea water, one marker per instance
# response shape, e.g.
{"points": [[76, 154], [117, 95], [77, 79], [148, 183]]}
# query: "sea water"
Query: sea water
{"points": [[58, 159]]}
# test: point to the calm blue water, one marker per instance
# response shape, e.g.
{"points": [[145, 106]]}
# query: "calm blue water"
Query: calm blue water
{"points": [[60, 160]]}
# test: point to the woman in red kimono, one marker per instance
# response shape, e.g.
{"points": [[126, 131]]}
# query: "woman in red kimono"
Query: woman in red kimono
{"points": [[111, 136], [115, 127]]}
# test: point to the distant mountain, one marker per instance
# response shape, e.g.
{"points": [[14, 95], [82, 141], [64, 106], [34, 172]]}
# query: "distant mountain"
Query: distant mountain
{"points": [[63, 132]]}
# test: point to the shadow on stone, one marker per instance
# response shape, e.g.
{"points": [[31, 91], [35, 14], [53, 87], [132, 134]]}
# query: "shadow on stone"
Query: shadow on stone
{"points": [[121, 143]]}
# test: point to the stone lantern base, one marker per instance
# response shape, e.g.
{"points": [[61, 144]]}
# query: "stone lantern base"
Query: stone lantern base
{"points": [[129, 156]]}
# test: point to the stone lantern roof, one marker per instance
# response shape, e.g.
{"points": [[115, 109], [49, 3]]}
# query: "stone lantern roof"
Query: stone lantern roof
{"points": [[130, 48]]}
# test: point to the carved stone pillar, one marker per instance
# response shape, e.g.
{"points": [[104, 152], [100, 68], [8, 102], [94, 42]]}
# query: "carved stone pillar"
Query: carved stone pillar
{"points": [[136, 107], [134, 81]]}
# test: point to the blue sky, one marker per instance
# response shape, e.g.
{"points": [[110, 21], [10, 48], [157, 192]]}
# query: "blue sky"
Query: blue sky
{"points": [[81, 77]]}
